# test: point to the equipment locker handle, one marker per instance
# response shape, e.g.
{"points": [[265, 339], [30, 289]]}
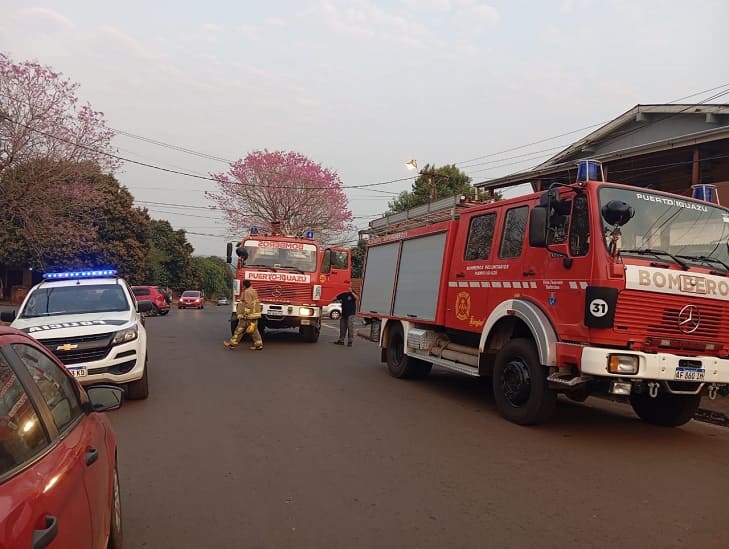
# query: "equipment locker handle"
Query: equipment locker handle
{"points": [[528, 273], [460, 275]]}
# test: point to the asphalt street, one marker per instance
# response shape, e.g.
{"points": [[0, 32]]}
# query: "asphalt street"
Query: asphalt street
{"points": [[315, 446]]}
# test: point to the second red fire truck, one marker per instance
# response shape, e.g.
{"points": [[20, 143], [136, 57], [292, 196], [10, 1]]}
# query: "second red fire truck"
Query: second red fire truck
{"points": [[294, 278], [589, 288]]}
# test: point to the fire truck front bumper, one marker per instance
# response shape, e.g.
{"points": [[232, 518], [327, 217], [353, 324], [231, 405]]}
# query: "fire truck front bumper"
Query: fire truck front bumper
{"points": [[626, 365], [289, 316]]}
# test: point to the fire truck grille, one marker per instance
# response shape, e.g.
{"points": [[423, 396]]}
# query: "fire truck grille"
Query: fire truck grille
{"points": [[283, 293], [642, 313], [72, 350]]}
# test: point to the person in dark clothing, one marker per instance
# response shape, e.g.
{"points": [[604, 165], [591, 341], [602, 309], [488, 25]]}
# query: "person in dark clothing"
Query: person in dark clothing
{"points": [[346, 321]]}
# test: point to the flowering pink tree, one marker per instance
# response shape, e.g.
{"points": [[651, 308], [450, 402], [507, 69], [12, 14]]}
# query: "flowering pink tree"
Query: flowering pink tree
{"points": [[52, 155], [287, 187], [40, 118]]}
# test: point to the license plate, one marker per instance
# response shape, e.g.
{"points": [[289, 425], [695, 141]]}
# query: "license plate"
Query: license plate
{"points": [[78, 371], [305, 322], [274, 312], [689, 374]]}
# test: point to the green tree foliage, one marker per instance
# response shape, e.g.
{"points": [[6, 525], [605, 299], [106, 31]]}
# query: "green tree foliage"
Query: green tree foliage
{"points": [[62, 215], [444, 181], [210, 274], [170, 256]]}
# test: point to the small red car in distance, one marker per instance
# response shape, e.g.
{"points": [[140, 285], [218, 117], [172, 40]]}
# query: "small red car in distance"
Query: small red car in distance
{"points": [[58, 471], [191, 299], [160, 298]]}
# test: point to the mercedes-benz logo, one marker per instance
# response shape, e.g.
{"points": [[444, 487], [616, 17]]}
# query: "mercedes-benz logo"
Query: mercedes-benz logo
{"points": [[276, 291], [689, 319]]}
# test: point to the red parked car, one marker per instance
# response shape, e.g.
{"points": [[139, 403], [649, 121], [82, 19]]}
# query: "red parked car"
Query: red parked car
{"points": [[191, 299], [58, 469], [160, 298]]}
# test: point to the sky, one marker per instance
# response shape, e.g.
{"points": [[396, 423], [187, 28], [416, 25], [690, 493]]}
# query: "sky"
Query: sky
{"points": [[360, 86]]}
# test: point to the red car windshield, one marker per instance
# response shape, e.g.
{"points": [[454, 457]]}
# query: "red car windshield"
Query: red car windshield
{"points": [[191, 294]]}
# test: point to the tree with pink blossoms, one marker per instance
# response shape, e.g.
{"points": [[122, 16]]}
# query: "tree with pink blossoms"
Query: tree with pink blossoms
{"points": [[269, 186], [41, 118]]}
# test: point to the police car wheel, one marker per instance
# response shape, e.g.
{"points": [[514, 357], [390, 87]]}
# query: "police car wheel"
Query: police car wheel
{"points": [[139, 390], [520, 387]]}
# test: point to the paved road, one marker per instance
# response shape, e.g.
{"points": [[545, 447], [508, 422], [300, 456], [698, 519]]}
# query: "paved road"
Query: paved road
{"points": [[315, 446]]}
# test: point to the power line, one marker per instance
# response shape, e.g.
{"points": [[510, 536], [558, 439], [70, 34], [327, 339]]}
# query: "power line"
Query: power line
{"points": [[195, 176]]}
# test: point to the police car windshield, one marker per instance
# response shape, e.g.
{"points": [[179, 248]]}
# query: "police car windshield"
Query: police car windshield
{"points": [[71, 300], [694, 231]]}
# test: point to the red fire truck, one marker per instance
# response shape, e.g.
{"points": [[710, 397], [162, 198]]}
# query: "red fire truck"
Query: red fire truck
{"points": [[588, 288], [294, 278]]}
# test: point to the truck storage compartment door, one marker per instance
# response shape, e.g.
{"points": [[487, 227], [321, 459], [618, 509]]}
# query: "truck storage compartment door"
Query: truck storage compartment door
{"points": [[419, 278], [379, 279]]}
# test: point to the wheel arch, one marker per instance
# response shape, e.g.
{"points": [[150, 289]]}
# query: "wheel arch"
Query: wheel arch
{"points": [[519, 318]]}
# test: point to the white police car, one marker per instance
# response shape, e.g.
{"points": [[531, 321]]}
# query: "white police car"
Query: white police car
{"points": [[91, 321]]}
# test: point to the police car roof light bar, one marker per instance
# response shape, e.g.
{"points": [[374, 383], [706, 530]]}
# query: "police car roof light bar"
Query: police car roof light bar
{"points": [[71, 275]]}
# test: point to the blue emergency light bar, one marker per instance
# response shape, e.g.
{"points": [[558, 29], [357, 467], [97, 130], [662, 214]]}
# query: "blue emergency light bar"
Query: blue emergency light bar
{"points": [[589, 170], [254, 230], [72, 275], [309, 234]]}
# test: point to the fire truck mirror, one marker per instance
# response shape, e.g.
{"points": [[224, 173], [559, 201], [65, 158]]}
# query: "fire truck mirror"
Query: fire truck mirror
{"points": [[538, 227], [617, 213], [229, 252], [241, 252]]}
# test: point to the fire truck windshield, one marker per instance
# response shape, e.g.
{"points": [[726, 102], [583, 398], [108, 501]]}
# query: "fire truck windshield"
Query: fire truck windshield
{"points": [[694, 231], [274, 254]]}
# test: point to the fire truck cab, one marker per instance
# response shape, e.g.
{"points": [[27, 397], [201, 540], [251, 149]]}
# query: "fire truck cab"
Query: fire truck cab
{"points": [[294, 278], [588, 288]]}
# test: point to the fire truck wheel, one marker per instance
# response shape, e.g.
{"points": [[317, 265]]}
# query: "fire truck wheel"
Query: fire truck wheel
{"points": [[401, 365], [666, 409], [310, 334], [520, 386], [233, 325]]}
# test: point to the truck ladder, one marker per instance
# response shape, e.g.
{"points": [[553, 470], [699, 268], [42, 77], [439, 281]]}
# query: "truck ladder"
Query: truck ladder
{"points": [[433, 212]]}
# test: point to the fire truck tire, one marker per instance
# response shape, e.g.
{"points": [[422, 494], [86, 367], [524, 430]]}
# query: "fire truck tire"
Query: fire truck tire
{"points": [[520, 387], [310, 334], [233, 325], [139, 390], [401, 365], [666, 409]]}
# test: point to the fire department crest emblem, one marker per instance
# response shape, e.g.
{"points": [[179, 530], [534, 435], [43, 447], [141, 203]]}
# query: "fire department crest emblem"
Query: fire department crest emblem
{"points": [[463, 305]]}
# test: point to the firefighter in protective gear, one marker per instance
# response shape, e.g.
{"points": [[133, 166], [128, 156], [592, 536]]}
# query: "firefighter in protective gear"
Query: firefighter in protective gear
{"points": [[248, 311]]}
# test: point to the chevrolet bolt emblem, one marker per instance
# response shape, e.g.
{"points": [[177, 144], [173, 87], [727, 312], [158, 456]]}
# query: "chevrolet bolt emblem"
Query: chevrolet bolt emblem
{"points": [[689, 319], [67, 347]]}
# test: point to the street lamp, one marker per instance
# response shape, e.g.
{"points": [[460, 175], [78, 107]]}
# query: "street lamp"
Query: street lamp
{"points": [[413, 165]]}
